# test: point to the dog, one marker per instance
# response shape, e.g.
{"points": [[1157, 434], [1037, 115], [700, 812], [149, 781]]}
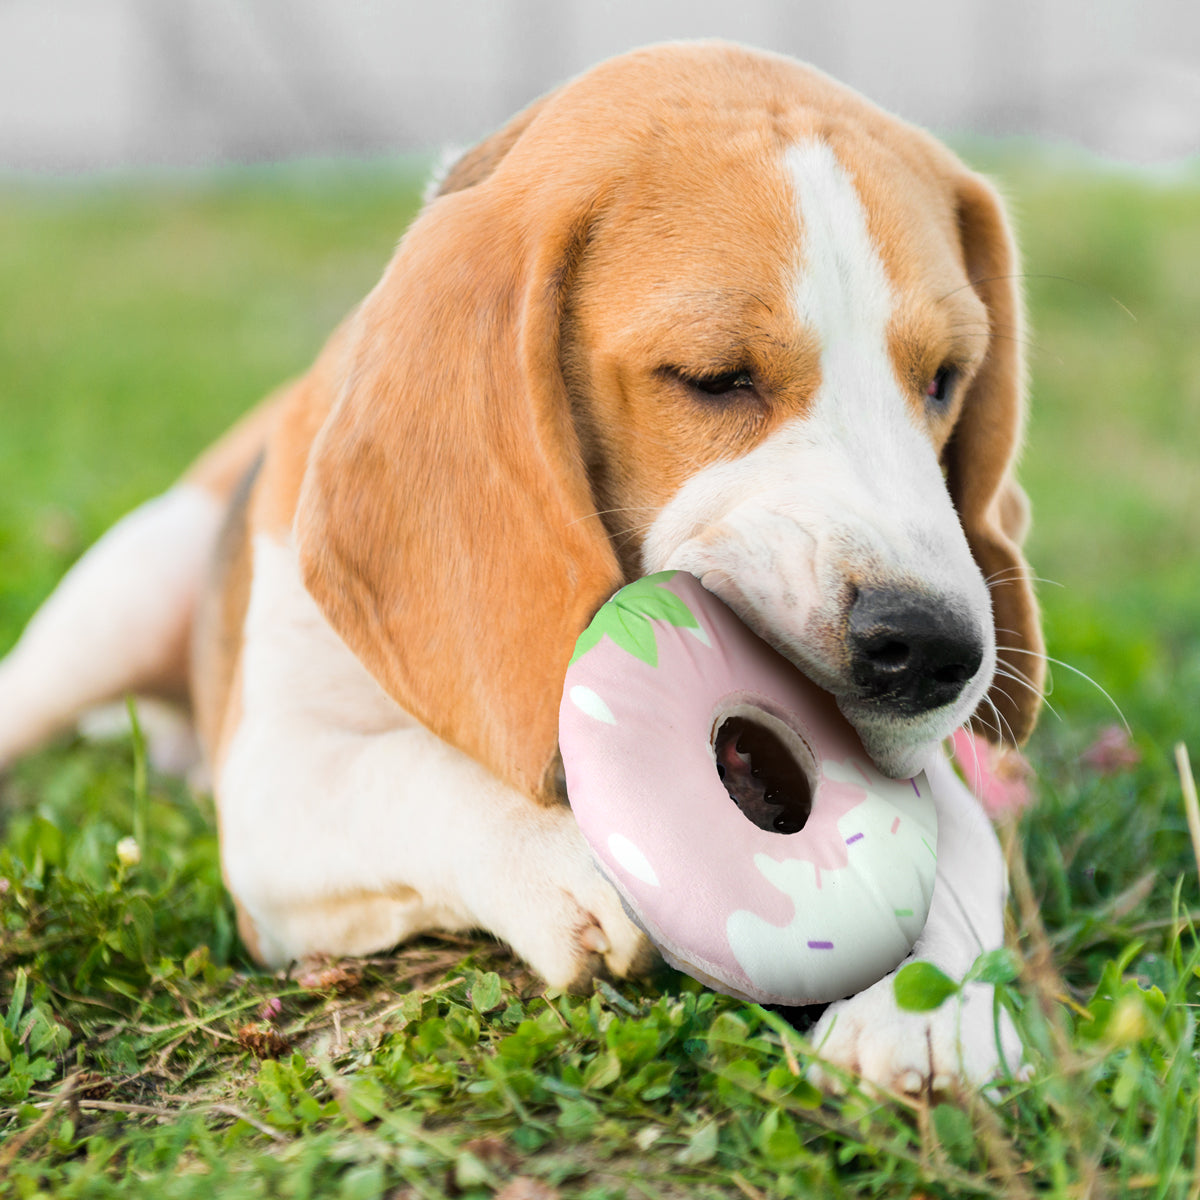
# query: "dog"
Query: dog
{"points": [[702, 308]]}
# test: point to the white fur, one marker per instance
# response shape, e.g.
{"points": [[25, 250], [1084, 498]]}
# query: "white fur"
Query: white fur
{"points": [[118, 617], [852, 490], [347, 826]]}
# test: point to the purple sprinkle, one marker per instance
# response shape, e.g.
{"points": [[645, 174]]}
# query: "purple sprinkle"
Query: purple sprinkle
{"points": [[916, 789], [855, 838], [820, 945]]}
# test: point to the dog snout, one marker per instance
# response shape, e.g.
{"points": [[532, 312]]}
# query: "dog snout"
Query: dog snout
{"points": [[909, 651]]}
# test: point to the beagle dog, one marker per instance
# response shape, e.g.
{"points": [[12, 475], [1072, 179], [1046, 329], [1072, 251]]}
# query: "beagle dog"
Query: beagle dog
{"points": [[701, 308]]}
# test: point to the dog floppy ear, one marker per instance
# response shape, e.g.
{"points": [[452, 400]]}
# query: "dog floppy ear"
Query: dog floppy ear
{"points": [[476, 164], [979, 465], [446, 525]]}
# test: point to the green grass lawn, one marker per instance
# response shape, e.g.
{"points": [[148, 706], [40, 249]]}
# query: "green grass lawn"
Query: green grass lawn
{"points": [[141, 1055]]}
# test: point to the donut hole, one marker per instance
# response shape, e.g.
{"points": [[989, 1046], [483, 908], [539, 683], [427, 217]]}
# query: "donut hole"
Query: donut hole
{"points": [[766, 767]]}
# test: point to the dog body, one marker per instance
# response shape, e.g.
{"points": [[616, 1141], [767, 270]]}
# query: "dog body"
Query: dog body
{"points": [[700, 309]]}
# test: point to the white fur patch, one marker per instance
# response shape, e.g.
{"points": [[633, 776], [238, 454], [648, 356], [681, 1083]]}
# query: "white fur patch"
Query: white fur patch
{"points": [[841, 289]]}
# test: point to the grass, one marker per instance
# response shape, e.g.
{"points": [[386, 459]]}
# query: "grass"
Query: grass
{"points": [[142, 1055]]}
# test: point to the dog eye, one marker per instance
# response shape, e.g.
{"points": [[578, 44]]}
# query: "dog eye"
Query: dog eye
{"points": [[723, 384], [941, 385]]}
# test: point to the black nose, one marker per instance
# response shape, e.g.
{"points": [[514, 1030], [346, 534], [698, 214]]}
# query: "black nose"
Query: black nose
{"points": [[908, 651]]}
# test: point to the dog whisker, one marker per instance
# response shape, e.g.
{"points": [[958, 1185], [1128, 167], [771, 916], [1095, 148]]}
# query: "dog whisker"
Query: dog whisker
{"points": [[1041, 275], [1066, 666], [1000, 689], [1003, 728], [1008, 672], [1016, 671], [1017, 574], [985, 332], [965, 727], [1025, 683], [605, 512]]}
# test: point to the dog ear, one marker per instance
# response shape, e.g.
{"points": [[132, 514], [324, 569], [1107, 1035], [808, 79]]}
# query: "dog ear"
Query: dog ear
{"points": [[979, 463], [476, 164], [446, 525]]}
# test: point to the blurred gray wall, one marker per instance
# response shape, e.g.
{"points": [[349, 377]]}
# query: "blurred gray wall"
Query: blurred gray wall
{"points": [[97, 83]]}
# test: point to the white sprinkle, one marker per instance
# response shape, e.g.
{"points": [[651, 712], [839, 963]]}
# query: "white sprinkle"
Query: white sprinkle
{"points": [[588, 702], [632, 859]]}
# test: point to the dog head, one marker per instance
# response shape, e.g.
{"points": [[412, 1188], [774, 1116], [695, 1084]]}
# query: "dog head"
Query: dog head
{"points": [[702, 308]]}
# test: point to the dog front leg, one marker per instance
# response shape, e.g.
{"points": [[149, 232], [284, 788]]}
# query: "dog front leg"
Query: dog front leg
{"points": [[346, 826]]}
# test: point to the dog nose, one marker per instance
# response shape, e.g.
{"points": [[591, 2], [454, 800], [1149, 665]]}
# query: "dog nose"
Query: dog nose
{"points": [[908, 651]]}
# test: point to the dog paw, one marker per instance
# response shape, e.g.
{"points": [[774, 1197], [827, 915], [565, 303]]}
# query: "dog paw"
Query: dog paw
{"points": [[915, 1053], [588, 936], [561, 915], [608, 945]]}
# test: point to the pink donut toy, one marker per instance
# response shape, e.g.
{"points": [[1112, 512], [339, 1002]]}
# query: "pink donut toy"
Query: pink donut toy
{"points": [[734, 808]]}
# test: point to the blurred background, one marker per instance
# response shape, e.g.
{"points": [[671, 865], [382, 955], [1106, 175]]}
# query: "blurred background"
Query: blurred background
{"points": [[101, 83]]}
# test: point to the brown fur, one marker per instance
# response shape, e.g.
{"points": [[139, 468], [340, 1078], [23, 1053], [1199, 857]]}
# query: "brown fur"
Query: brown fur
{"points": [[220, 615]]}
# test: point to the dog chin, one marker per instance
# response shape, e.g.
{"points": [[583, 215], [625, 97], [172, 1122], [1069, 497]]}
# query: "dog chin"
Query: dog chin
{"points": [[896, 747]]}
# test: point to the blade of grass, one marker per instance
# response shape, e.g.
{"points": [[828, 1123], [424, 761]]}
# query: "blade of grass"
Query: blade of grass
{"points": [[1190, 806], [140, 796], [1187, 781]]}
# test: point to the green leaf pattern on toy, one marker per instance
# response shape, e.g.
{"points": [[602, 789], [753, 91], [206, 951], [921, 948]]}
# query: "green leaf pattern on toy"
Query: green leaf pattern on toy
{"points": [[627, 617]]}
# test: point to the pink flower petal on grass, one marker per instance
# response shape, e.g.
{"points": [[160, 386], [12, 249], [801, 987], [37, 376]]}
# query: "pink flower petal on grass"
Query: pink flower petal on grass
{"points": [[1112, 752]]}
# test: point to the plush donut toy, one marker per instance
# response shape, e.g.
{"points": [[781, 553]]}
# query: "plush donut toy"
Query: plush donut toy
{"points": [[734, 808]]}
